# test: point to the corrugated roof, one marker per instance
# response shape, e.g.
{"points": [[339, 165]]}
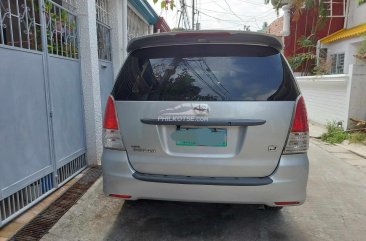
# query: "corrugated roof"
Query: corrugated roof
{"points": [[344, 33]]}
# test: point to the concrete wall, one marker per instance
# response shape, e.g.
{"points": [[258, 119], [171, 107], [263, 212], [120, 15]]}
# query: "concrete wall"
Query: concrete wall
{"points": [[357, 14], [335, 97], [357, 92]]}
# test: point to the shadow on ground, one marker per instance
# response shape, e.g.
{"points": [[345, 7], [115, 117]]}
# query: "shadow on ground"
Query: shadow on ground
{"points": [[160, 220]]}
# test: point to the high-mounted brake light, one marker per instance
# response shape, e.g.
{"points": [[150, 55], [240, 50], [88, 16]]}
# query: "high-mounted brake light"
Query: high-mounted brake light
{"points": [[298, 140], [111, 135]]}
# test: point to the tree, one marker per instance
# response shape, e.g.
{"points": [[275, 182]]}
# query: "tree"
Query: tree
{"points": [[165, 4]]}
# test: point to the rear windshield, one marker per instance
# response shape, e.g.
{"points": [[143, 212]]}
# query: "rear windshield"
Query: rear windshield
{"points": [[205, 73]]}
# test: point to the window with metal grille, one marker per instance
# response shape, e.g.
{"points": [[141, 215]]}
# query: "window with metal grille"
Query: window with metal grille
{"points": [[337, 63], [20, 24], [61, 28], [103, 30]]}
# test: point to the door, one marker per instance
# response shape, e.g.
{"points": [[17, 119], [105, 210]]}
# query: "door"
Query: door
{"points": [[205, 110]]}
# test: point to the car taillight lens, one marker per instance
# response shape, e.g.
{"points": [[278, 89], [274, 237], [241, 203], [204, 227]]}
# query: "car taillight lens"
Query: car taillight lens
{"points": [[298, 140], [111, 135]]}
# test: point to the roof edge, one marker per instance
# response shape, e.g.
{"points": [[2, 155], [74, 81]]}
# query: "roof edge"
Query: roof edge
{"points": [[145, 9], [344, 33]]}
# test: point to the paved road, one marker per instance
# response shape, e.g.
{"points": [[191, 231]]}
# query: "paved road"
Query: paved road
{"points": [[335, 210]]}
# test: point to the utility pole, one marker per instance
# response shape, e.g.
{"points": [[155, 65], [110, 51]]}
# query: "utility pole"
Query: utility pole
{"points": [[193, 13]]}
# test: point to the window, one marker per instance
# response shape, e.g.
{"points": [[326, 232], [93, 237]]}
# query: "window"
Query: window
{"points": [[205, 73], [337, 63], [360, 2], [103, 30]]}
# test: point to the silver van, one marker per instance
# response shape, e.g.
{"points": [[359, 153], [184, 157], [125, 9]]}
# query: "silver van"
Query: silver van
{"points": [[206, 116]]}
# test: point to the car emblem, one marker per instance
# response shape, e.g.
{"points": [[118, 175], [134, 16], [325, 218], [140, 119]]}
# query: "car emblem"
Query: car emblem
{"points": [[201, 108]]}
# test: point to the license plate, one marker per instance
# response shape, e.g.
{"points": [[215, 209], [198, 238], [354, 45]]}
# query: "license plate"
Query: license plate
{"points": [[188, 136]]}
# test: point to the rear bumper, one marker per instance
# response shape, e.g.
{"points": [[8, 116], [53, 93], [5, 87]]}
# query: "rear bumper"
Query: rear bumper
{"points": [[289, 184]]}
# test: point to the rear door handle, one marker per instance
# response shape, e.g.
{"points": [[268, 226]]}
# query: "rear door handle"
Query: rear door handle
{"points": [[210, 122]]}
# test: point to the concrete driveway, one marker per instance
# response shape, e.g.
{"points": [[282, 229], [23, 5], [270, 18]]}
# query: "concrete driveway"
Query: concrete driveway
{"points": [[335, 210]]}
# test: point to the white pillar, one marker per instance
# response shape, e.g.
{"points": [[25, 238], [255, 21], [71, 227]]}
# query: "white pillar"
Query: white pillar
{"points": [[90, 79], [151, 29], [124, 29], [116, 24], [286, 20]]}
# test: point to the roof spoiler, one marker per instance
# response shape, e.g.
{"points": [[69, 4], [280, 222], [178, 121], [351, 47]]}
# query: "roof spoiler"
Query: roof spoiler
{"points": [[202, 37]]}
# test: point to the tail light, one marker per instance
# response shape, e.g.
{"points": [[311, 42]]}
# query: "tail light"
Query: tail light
{"points": [[298, 140], [111, 135]]}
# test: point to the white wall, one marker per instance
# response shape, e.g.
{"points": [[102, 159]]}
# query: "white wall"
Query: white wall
{"points": [[335, 97], [357, 14], [357, 92], [325, 97]]}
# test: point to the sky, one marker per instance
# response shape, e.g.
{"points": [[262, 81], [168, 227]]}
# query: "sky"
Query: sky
{"points": [[222, 14]]}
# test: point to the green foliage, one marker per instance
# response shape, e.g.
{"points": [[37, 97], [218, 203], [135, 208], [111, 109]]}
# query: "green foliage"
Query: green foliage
{"points": [[358, 137], [297, 60], [361, 50], [165, 4], [334, 133]]}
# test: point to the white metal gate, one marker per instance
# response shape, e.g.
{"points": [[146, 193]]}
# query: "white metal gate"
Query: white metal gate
{"points": [[42, 140]]}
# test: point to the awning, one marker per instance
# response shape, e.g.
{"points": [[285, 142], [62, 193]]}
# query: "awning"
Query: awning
{"points": [[344, 33]]}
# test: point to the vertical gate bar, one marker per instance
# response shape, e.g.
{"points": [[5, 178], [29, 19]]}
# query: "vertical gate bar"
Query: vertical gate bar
{"points": [[56, 27], [19, 26], [48, 25], [11, 24], [68, 39], [34, 196], [65, 37], [27, 22], [1, 212], [1, 28], [61, 30], [22, 198], [37, 189], [2, 205], [18, 202], [40, 188], [72, 165], [67, 171], [34, 26], [9, 206], [59, 175], [26, 196], [75, 36]]}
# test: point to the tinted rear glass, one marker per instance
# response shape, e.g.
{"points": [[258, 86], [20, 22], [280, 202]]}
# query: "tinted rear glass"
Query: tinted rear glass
{"points": [[205, 73]]}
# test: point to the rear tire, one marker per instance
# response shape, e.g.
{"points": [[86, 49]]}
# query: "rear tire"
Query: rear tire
{"points": [[270, 208]]}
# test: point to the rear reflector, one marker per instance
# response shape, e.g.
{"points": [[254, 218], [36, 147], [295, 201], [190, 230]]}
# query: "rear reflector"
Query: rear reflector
{"points": [[287, 203], [298, 140], [111, 135], [124, 196]]}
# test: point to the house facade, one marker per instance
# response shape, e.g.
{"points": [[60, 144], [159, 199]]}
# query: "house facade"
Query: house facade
{"points": [[342, 46], [58, 61], [293, 27]]}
